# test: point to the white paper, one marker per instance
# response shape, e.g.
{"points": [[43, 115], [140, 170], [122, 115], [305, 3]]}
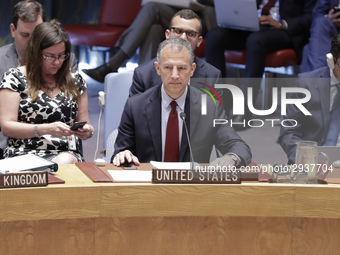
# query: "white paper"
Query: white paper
{"points": [[131, 175], [23, 163], [173, 165]]}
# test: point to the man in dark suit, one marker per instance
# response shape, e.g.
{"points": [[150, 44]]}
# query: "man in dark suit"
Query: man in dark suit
{"points": [[323, 84], [143, 134], [284, 25], [145, 76]]}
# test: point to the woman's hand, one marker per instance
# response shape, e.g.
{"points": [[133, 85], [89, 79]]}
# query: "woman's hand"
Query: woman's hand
{"points": [[56, 129], [83, 115], [85, 132]]}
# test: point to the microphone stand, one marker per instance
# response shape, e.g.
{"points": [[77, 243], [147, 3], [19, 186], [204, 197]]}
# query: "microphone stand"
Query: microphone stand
{"points": [[182, 116]]}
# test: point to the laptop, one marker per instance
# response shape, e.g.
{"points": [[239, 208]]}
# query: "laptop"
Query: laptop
{"points": [[237, 14]]}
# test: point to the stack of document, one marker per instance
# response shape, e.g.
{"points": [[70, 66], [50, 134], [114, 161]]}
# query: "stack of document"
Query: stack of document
{"points": [[174, 165], [131, 175], [26, 162], [146, 176]]}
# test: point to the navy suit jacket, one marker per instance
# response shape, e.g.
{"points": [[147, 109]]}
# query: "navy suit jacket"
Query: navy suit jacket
{"points": [[140, 129], [322, 7], [298, 15], [313, 127], [145, 76]]}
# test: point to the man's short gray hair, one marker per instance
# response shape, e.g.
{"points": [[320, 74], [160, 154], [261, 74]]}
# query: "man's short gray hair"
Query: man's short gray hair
{"points": [[177, 44]]}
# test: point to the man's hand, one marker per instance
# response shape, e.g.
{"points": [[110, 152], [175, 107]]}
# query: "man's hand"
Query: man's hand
{"points": [[226, 160], [125, 156], [267, 20], [334, 17]]}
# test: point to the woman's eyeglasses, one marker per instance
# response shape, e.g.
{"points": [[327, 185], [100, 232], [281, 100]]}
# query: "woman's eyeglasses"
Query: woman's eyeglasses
{"points": [[51, 59]]}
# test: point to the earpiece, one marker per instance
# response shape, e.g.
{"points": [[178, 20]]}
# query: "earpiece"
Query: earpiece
{"points": [[100, 162], [101, 98], [330, 61]]}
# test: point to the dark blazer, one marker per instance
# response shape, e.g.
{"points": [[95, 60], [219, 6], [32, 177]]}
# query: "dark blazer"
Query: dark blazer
{"points": [[313, 127], [140, 129], [145, 76], [298, 15]]}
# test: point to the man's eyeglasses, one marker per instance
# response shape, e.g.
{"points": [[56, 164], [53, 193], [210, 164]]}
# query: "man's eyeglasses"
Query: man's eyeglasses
{"points": [[51, 59], [191, 34]]}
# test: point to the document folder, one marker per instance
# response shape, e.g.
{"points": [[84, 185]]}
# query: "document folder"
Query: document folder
{"points": [[26, 162]]}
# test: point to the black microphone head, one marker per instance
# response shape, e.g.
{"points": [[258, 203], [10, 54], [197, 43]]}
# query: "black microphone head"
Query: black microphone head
{"points": [[182, 115]]}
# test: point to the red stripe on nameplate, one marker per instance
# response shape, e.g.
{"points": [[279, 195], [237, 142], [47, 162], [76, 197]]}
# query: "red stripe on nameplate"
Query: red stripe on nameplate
{"points": [[54, 180], [24, 179], [196, 176]]}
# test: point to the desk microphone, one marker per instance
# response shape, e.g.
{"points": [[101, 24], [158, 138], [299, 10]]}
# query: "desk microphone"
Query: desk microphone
{"points": [[182, 115]]}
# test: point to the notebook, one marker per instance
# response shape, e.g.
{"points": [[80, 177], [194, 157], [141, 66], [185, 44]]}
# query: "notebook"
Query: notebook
{"points": [[237, 14]]}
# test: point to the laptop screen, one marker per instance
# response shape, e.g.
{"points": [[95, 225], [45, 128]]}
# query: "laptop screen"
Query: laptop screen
{"points": [[237, 14]]}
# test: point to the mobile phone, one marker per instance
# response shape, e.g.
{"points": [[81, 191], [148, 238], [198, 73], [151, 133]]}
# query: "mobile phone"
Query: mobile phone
{"points": [[77, 125], [128, 166], [336, 9]]}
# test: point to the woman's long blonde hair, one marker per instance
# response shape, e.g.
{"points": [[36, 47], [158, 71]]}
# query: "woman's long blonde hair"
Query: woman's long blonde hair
{"points": [[45, 35]]}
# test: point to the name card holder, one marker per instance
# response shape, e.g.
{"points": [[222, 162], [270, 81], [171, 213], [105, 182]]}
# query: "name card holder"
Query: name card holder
{"points": [[93, 172], [24, 179], [195, 176]]}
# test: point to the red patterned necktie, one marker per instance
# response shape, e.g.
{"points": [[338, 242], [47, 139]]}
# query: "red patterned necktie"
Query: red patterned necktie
{"points": [[268, 6], [171, 153]]}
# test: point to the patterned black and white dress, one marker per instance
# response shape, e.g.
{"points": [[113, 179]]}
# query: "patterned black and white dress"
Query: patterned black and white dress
{"points": [[43, 110]]}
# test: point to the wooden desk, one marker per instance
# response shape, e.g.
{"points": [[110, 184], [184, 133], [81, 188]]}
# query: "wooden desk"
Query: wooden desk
{"points": [[82, 217]]}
